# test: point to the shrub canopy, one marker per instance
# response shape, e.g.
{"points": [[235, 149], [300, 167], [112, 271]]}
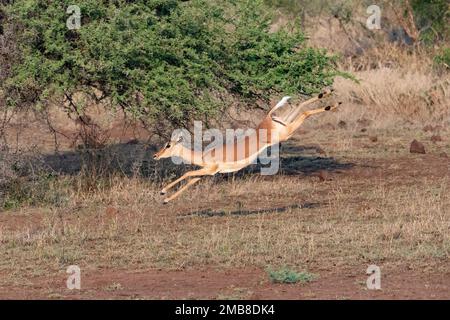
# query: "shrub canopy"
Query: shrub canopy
{"points": [[160, 59]]}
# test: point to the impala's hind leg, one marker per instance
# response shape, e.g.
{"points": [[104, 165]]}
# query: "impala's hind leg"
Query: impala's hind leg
{"points": [[294, 125], [293, 114], [176, 194]]}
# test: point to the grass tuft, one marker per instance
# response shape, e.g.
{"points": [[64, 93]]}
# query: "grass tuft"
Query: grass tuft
{"points": [[286, 275]]}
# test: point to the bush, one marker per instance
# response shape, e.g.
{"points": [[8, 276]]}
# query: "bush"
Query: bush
{"points": [[8, 49], [432, 19], [166, 61]]}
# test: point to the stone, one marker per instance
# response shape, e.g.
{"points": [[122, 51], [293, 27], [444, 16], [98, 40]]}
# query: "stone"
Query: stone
{"points": [[417, 147], [323, 175], [342, 124], [436, 138]]}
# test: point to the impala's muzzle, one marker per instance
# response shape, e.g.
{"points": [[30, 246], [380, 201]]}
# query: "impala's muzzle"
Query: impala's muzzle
{"points": [[157, 155]]}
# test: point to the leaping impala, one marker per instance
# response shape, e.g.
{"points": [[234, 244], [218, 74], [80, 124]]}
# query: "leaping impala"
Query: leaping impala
{"points": [[243, 152]]}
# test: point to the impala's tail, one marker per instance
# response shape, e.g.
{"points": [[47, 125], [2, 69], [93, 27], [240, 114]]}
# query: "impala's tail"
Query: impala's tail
{"points": [[279, 105]]}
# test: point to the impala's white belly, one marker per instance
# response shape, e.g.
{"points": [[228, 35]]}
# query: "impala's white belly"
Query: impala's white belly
{"points": [[228, 167], [224, 168], [229, 170]]}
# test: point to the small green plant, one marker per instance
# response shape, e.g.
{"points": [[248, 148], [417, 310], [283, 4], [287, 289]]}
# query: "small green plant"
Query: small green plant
{"points": [[287, 275], [443, 59]]}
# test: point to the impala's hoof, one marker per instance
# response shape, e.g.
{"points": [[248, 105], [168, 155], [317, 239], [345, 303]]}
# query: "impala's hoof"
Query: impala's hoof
{"points": [[336, 106], [325, 93], [162, 192], [166, 201]]}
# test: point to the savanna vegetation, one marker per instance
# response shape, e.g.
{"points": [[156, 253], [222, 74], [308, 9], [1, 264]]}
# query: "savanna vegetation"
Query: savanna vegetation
{"points": [[83, 110], [161, 61]]}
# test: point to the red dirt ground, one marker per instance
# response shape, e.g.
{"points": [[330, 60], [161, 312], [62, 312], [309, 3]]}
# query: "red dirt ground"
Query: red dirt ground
{"points": [[398, 282], [249, 283]]}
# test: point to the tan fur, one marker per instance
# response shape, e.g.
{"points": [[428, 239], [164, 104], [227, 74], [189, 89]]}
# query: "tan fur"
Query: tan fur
{"points": [[243, 151]]}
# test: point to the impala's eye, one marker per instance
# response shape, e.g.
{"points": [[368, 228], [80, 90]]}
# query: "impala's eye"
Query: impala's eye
{"points": [[168, 145]]}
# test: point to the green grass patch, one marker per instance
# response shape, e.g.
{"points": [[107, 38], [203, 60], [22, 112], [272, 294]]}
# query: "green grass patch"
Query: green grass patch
{"points": [[287, 275]]}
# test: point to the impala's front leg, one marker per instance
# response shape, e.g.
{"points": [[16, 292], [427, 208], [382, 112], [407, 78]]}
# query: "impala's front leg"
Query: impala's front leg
{"points": [[176, 194], [202, 172], [170, 185]]}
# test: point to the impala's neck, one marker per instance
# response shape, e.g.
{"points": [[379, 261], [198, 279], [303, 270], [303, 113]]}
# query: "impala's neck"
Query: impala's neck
{"points": [[191, 156]]}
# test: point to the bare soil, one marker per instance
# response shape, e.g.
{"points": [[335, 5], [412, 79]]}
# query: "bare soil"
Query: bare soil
{"points": [[245, 283], [341, 201]]}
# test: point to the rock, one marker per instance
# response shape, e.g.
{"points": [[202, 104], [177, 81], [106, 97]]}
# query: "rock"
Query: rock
{"points": [[323, 175], [400, 36], [364, 122], [373, 138], [328, 126], [417, 147], [430, 128], [436, 138], [111, 212], [342, 124], [443, 155], [319, 150], [364, 130]]}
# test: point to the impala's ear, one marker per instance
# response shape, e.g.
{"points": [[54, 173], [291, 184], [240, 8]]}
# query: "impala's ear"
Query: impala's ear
{"points": [[177, 137]]}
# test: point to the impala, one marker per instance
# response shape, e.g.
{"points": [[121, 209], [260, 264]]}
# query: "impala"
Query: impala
{"points": [[243, 152]]}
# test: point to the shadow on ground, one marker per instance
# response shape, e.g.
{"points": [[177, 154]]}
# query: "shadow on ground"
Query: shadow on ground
{"points": [[136, 159], [241, 212], [299, 161]]}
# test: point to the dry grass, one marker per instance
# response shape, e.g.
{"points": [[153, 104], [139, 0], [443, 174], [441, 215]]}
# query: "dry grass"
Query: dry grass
{"points": [[397, 83], [247, 221], [387, 206], [400, 225], [118, 221], [389, 95]]}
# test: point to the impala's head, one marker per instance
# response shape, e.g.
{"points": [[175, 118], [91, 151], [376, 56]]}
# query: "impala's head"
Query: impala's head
{"points": [[170, 149]]}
